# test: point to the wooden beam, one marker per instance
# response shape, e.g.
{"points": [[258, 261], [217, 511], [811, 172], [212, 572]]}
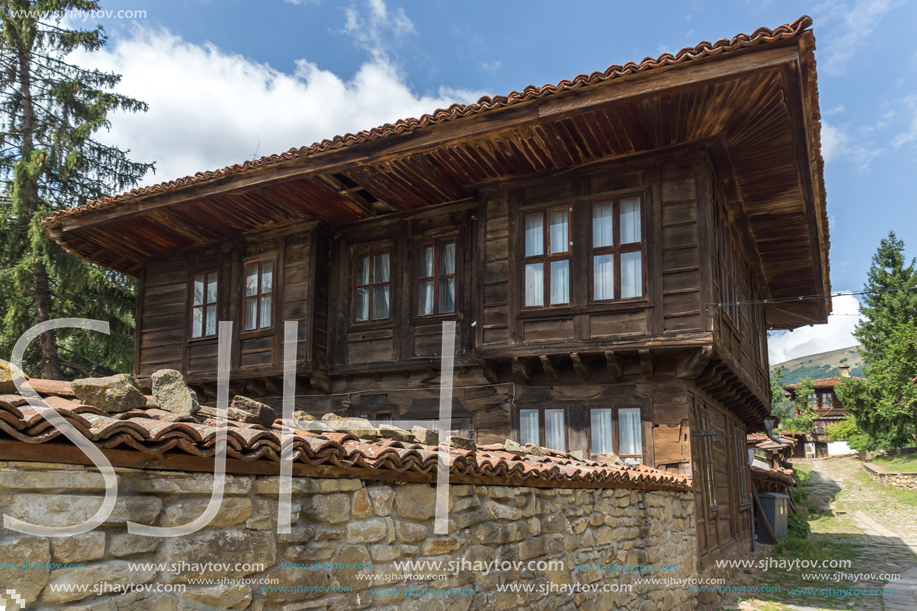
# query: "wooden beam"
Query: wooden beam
{"points": [[490, 371], [548, 366], [256, 387], [320, 381], [694, 363], [615, 364], [646, 362], [522, 369], [581, 365]]}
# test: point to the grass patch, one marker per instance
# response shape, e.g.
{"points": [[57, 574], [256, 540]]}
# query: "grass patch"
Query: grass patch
{"points": [[901, 464], [896, 495]]}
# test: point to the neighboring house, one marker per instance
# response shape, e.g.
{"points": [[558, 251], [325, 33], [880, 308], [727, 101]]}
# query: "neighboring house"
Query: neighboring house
{"points": [[605, 246], [828, 408]]}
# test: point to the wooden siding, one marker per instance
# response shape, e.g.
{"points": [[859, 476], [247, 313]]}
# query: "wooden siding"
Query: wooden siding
{"points": [[163, 332]]}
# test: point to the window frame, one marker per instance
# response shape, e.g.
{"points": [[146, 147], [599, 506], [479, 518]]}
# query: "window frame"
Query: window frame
{"points": [[741, 451], [547, 256], [729, 264], [541, 425], [260, 260], [371, 248], [616, 432], [617, 249], [192, 276], [437, 241]]}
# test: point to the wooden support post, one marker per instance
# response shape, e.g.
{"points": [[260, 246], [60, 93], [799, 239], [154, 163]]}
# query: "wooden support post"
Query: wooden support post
{"points": [[522, 369], [646, 362], [548, 366], [615, 364], [581, 365]]}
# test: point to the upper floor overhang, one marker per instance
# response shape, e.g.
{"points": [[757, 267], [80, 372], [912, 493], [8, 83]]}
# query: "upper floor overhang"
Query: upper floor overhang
{"points": [[751, 100]]}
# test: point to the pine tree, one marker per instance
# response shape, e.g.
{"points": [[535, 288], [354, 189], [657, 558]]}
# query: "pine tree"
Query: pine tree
{"points": [[884, 309], [50, 110]]}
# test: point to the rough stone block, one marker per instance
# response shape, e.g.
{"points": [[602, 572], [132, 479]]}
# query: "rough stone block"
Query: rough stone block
{"points": [[78, 548], [28, 583], [172, 394], [382, 498], [112, 572], [232, 511], [119, 393], [235, 596], [366, 531], [328, 508], [425, 436], [234, 553], [416, 501]]}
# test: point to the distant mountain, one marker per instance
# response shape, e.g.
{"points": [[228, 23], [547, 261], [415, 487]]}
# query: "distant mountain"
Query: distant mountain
{"points": [[824, 365]]}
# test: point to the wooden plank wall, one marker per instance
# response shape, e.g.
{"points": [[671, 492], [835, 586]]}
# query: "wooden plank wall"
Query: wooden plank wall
{"points": [[164, 311], [725, 531]]}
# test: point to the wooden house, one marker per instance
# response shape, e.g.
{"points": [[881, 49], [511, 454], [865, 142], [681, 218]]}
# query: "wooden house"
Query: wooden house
{"points": [[828, 408], [605, 245]]}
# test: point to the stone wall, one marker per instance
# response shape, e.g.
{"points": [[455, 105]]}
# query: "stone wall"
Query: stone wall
{"points": [[891, 478], [342, 521]]}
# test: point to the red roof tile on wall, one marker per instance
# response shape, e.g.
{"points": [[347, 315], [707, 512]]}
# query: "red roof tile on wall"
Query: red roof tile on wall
{"points": [[156, 432]]}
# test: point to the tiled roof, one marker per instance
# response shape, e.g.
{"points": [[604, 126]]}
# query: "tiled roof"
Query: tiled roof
{"points": [[152, 431], [701, 51], [826, 382], [776, 475], [763, 440]]}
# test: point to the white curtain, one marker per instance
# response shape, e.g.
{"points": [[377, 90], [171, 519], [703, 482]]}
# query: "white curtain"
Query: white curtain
{"points": [[603, 271], [631, 275], [560, 232], [631, 441], [426, 297], [602, 225], [528, 426], [534, 284], [601, 431], [560, 282], [534, 235], [446, 295], [630, 221], [554, 437]]}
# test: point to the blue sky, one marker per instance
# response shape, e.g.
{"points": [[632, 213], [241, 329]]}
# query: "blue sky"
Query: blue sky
{"points": [[229, 80]]}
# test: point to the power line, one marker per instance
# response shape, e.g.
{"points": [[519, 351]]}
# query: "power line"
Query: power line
{"points": [[812, 297]]}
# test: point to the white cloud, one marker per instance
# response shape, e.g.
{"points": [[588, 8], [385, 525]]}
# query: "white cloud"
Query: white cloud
{"points": [[837, 333], [376, 28], [839, 144], [210, 109], [855, 28], [910, 132]]}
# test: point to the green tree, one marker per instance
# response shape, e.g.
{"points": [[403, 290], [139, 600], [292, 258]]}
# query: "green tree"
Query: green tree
{"points": [[885, 405], [50, 159], [803, 416], [780, 406], [884, 309], [843, 429]]}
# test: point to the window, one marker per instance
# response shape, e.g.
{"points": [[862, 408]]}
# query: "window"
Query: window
{"points": [[437, 278], [707, 451], [813, 401], [617, 430], [547, 257], [741, 456], [728, 272], [259, 286], [544, 427], [372, 284], [820, 427], [617, 249], [204, 304]]}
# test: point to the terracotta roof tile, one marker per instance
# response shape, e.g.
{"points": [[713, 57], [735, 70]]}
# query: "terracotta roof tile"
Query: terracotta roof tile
{"points": [[157, 432], [826, 382], [702, 50], [776, 475]]}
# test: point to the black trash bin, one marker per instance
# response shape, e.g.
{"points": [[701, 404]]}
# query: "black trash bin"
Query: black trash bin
{"points": [[776, 509]]}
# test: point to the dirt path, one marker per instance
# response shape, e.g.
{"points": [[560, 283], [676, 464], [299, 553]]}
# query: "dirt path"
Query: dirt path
{"points": [[873, 526]]}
